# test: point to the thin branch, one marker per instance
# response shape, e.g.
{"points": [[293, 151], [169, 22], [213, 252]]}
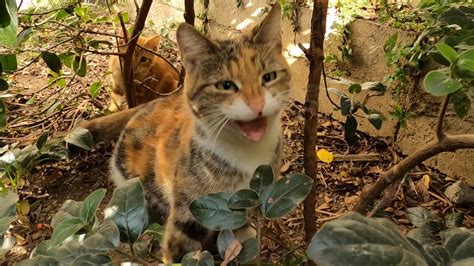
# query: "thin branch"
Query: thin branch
{"points": [[439, 127], [102, 52], [326, 89], [159, 55]]}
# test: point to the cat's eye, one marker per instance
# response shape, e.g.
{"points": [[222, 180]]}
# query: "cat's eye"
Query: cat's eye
{"points": [[226, 85], [269, 77], [143, 59]]}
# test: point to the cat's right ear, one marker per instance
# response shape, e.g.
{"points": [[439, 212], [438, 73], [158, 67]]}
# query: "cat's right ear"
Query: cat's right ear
{"points": [[192, 45]]}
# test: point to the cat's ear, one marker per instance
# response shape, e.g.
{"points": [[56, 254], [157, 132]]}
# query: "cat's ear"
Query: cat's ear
{"points": [[192, 45], [269, 30], [153, 42]]}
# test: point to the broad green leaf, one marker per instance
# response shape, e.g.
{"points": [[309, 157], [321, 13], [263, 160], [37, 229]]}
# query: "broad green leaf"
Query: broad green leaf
{"points": [[243, 199], [67, 58], [3, 85], [249, 251], [461, 16], [224, 239], [461, 102], [465, 65], [356, 240], [421, 217], [66, 229], [79, 65], [198, 258], [439, 58], [355, 88], [281, 197], [42, 140], [8, 62], [422, 235], [61, 14], [68, 251], [447, 52], [8, 23], [90, 205], [262, 177], [212, 212], [52, 61], [350, 128], [346, 105], [454, 220], [39, 261], [128, 210], [157, 231], [7, 210], [439, 84], [69, 209], [390, 43], [80, 137], [436, 255], [107, 237], [373, 86], [92, 259], [95, 89], [80, 11], [376, 120], [461, 245]]}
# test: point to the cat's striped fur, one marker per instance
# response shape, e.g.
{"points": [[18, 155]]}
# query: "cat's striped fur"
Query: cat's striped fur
{"points": [[211, 137]]}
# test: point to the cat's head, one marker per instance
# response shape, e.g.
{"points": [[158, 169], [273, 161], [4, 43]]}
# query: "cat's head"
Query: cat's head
{"points": [[238, 85], [142, 59]]}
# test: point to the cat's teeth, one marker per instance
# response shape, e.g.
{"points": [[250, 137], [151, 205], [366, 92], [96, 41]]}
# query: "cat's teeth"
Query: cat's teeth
{"points": [[253, 130]]}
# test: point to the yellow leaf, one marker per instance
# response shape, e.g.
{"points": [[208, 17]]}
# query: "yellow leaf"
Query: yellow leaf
{"points": [[325, 155]]}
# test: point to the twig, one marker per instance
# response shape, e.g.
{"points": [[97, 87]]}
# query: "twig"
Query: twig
{"points": [[159, 55], [102, 52], [326, 88], [439, 128], [371, 157]]}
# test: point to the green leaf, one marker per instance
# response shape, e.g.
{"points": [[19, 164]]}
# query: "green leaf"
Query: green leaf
{"points": [[461, 16], [67, 58], [80, 137], [52, 61], [61, 14], [6, 244], [69, 209], [376, 120], [80, 66], [42, 140], [422, 235], [447, 52], [421, 217], [461, 102], [9, 62], [346, 105], [355, 88], [374, 86], [8, 23], [281, 197], [439, 84], [92, 259], [243, 199], [356, 240], [350, 128], [66, 229], [198, 258], [140, 248], [262, 177], [438, 58], [454, 220], [461, 245], [3, 85], [24, 35], [90, 205], [390, 43], [107, 237], [128, 210], [95, 89], [224, 239], [7, 210], [157, 231], [39, 260], [437, 255], [465, 65], [212, 212], [249, 251], [80, 11]]}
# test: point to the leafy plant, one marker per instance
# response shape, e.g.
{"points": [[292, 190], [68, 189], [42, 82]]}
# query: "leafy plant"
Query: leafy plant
{"points": [[7, 215]]}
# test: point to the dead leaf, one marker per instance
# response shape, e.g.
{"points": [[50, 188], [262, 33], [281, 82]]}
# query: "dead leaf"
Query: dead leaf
{"points": [[323, 206], [351, 200], [285, 167], [231, 252]]}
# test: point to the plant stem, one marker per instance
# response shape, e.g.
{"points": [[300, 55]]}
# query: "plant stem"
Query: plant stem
{"points": [[259, 233], [442, 112]]}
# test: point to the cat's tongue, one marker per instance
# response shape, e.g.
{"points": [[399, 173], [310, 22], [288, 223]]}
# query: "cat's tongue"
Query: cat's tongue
{"points": [[254, 130]]}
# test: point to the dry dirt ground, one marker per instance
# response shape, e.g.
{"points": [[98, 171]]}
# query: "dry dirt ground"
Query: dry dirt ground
{"points": [[339, 184]]}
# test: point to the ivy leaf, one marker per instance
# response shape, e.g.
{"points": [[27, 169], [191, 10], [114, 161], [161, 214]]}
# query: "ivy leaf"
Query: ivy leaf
{"points": [[95, 89], [355, 88], [461, 102], [461, 245], [421, 217], [281, 197], [325, 156], [439, 84], [128, 210], [350, 128], [107, 237], [243, 199], [390, 43], [7, 210], [224, 239], [198, 258], [454, 220], [262, 177], [69, 209], [90, 205], [80, 137], [8, 23], [346, 105], [52, 61], [376, 120], [249, 251], [213, 212], [422, 235], [447, 52], [66, 229]]}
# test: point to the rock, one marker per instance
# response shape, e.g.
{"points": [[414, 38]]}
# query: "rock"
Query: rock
{"points": [[460, 193]]}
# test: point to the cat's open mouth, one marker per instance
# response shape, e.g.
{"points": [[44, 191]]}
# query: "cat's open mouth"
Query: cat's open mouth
{"points": [[253, 130]]}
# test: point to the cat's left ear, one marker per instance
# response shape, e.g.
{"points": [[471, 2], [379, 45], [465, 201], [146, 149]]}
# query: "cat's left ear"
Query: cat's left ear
{"points": [[153, 42], [269, 30]]}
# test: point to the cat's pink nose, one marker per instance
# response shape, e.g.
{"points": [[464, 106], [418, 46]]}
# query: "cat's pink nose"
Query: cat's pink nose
{"points": [[256, 106]]}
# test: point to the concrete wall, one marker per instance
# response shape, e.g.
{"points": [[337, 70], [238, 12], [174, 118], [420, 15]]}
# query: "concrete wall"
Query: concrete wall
{"points": [[366, 64]]}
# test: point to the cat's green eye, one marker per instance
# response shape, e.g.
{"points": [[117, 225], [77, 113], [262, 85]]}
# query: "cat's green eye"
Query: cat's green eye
{"points": [[226, 85], [269, 77]]}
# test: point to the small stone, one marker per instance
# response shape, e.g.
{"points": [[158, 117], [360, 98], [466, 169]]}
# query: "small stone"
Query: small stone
{"points": [[460, 193]]}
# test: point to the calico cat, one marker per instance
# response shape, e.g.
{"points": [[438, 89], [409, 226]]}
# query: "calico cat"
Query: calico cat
{"points": [[211, 137], [152, 70]]}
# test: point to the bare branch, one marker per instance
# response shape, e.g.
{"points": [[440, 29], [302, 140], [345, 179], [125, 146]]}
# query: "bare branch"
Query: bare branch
{"points": [[159, 55]]}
